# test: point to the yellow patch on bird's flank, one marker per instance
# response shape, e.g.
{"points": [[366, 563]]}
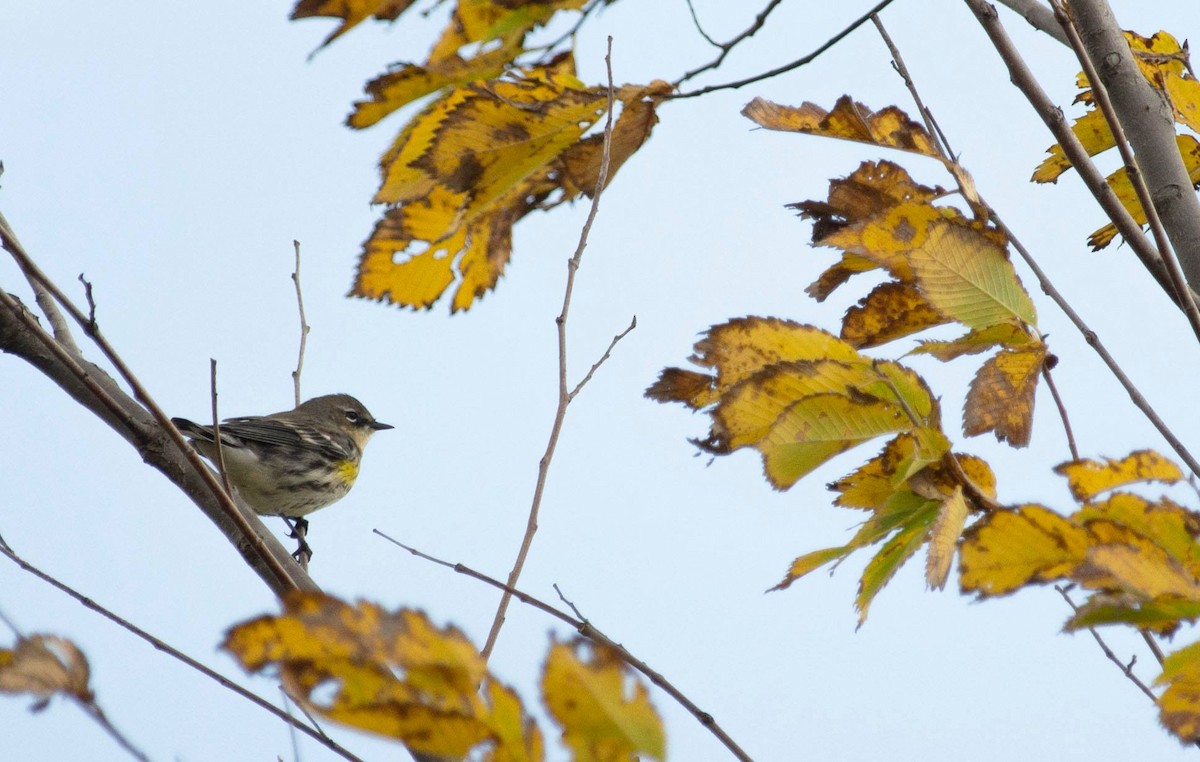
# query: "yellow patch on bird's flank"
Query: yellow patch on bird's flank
{"points": [[347, 470]]}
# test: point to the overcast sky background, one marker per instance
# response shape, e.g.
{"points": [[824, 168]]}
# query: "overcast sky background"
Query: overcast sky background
{"points": [[172, 152]]}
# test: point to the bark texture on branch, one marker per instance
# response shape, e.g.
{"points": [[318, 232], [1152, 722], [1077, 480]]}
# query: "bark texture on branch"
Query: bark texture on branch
{"points": [[1149, 122]]}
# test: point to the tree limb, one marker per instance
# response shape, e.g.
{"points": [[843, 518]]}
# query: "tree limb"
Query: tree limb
{"points": [[1149, 120]]}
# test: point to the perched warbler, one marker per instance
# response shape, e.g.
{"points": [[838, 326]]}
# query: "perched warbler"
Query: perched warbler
{"points": [[291, 464]]}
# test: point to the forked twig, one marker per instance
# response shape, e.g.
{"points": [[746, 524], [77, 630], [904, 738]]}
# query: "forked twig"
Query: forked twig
{"points": [[587, 630], [1127, 669], [564, 395], [802, 61]]}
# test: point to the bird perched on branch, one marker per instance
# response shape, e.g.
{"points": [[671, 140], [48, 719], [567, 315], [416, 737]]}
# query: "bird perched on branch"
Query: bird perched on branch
{"points": [[292, 463]]}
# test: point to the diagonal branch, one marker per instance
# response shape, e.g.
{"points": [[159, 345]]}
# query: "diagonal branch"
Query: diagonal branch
{"points": [[1149, 120], [1052, 116], [587, 630], [146, 428]]}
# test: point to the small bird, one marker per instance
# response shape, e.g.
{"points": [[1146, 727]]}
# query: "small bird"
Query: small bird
{"points": [[292, 463]]}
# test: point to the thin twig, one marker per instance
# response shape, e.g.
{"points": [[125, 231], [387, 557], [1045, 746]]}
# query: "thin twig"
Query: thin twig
{"points": [[45, 302], [9, 553], [287, 707], [1132, 170], [1094, 342], [85, 700], [564, 397], [700, 29], [902, 70], [93, 710], [216, 425], [603, 358], [1126, 669], [587, 630], [788, 66], [1062, 411], [87, 323], [745, 34], [304, 327]]}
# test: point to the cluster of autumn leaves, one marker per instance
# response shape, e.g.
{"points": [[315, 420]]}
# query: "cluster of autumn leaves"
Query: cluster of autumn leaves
{"points": [[501, 138], [799, 395]]}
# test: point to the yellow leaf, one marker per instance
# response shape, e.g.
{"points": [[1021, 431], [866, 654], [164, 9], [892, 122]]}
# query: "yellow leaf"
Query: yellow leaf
{"points": [[518, 738], [811, 562], [395, 673], [878, 479], [1009, 549], [1088, 478], [836, 275], [1166, 65], [1001, 396], [943, 538], [979, 340], [1162, 616], [892, 310], [1142, 569], [1093, 133], [1179, 705], [44, 665], [1189, 150], [966, 276], [743, 346], [398, 88], [605, 715], [891, 557], [1171, 527], [816, 428], [352, 12], [481, 139], [748, 410], [889, 127]]}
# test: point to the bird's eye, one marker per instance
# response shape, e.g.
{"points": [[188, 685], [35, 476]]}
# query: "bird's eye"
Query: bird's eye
{"points": [[352, 416]]}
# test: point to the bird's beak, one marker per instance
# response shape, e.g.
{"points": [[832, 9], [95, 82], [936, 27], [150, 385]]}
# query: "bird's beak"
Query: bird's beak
{"points": [[377, 426]]}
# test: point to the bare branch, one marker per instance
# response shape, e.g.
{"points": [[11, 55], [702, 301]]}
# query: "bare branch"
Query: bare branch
{"points": [[146, 428], [604, 357], [1052, 116], [1149, 120], [1039, 17], [564, 397], [700, 29], [585, 628], [304, 327], [1100, 91], [725, 47], [169, 650], [1127, 669], [786, 67]]}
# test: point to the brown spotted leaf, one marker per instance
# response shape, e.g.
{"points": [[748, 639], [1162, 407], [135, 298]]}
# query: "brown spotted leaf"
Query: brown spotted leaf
{"points": [[351, 12], [943, 538], [891, 311], [889, 127], [1001, 396], [1088, 478], [1010, 549], [1179, 705]]}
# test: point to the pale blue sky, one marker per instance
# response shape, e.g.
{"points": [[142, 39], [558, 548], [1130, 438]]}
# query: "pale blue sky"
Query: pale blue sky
{"points": [[172, 152]]}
